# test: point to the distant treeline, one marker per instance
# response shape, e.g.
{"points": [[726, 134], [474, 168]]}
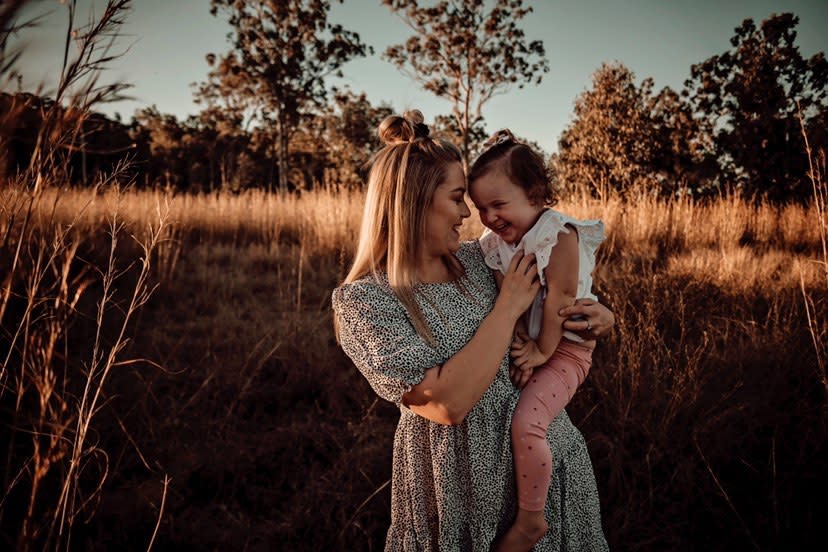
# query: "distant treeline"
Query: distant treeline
{"points": [[203, 153], [735, 126]]}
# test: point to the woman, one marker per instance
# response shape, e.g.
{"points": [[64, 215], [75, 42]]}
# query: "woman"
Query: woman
{"points": [[420, 316]]}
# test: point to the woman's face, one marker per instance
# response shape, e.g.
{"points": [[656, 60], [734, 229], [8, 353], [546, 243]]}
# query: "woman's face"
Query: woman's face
{"points": [[446, 213]]}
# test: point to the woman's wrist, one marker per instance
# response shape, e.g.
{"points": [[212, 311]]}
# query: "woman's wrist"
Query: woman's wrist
{"points": [[506, 309]]}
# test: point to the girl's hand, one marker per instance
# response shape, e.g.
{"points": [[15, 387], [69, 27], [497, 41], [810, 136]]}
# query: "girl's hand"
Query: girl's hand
{"points": [[519, 376], [595, 320], [520, 284], [526, 355]]}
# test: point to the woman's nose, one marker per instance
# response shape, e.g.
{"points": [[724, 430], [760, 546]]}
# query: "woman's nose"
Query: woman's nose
{"points": [[465, 212]]}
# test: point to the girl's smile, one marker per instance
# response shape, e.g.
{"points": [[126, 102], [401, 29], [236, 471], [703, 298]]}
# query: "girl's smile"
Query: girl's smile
{"points": [[503, 206]]}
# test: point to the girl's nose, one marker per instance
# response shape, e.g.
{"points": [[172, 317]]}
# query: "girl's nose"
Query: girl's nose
{"points": [[465, 212]]}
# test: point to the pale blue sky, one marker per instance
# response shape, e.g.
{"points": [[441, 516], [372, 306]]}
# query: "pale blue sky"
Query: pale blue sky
{"points": [[654, 38]]}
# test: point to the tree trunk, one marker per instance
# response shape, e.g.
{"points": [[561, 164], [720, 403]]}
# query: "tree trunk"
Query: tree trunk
{"points": [[283, 150], [274, 155]]}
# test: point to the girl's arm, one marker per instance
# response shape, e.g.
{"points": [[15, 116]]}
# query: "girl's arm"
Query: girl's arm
{"points": [[561, 287], [447, 393]]}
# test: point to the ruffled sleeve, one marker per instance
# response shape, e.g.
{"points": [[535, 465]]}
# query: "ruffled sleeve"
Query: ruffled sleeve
{"points": [[375, 333], [542, 238], [590, 235], [489, 245]]}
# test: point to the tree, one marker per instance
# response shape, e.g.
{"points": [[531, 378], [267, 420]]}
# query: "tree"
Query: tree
{"points": [[282, 50], [682, 154], [609, 144], [461, 52], [160, 138], [749, 99], [351, 135], [446, 127], [339, 141]]}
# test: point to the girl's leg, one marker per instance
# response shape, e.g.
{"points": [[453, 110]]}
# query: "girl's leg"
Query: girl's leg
{"points": [[546, 394]]}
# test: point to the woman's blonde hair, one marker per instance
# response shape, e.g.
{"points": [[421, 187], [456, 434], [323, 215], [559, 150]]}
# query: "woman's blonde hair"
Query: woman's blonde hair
{"points": [[401, 183]]}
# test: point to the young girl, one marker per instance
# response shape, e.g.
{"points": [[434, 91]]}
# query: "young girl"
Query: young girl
{"points": [[511, 190]]}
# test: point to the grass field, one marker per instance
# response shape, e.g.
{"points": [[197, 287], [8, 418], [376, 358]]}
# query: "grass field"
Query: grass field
{"points": [[704, 413]]}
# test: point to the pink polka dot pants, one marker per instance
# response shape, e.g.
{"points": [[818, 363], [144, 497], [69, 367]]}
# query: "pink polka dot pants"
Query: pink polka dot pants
{"points": [[549, 390]]}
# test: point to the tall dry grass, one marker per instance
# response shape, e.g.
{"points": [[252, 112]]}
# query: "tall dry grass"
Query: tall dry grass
{"points": [[68, 298], [704, 413], [817, 319]]}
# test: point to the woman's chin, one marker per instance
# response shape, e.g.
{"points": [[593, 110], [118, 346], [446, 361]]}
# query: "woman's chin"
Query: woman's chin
{"points": [[454, 245]]}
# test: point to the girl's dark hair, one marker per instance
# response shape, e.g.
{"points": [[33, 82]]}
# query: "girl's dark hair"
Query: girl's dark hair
{"points": [[522, 165]]}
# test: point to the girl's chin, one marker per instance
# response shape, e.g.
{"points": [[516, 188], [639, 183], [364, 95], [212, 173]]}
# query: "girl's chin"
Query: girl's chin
{"points": [[508, 236]]}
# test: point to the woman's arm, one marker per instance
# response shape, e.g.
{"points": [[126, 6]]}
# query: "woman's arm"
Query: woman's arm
{"points": [[447, 393], [597, 319]]}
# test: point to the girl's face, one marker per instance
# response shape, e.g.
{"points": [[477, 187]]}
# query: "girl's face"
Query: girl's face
{"points": [[504, 207], [446, 213]]}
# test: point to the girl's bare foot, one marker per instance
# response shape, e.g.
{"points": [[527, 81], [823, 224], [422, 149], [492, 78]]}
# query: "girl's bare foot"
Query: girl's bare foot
{"points": [[527, 530]]}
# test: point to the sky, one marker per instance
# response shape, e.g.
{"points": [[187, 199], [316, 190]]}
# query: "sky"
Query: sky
{"points": [[166, 42]]}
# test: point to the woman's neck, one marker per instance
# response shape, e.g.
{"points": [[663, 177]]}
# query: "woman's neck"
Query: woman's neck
{"points": [[433, 270]]}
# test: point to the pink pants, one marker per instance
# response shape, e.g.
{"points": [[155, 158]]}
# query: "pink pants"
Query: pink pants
{"points": [[548, 391]]}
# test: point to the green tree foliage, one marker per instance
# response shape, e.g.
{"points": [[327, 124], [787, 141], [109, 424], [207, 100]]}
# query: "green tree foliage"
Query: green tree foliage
{"points": [[282, 51], [350, 136], [682, 154], [747, 98], [609, 144], [212, 151], [445, 127], [160, 138], [97, 147], [467, 53]]}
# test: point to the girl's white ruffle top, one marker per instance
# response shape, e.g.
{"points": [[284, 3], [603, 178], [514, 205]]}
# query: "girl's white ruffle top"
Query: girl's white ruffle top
{"points": [[540, 240]]}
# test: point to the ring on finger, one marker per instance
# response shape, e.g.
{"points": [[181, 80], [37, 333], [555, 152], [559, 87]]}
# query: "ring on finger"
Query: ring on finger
{"points": [[589, 326]]}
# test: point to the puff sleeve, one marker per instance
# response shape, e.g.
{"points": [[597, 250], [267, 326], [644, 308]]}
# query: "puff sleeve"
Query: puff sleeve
{"points": [[490, 247], [544, 238], [376, 334]]}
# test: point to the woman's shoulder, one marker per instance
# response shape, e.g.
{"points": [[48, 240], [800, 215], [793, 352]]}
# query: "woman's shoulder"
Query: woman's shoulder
{"points": [[469, 249], [365, 290], [470, 255]]}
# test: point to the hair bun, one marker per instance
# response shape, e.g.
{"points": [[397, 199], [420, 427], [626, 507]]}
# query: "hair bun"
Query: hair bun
{"points": [[397, 129], [502, 136], [414, 116]]}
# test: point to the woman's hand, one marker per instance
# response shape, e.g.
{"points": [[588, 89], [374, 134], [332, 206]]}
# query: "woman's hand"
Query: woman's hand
{"points": [[520, 284], [594, 319]]}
